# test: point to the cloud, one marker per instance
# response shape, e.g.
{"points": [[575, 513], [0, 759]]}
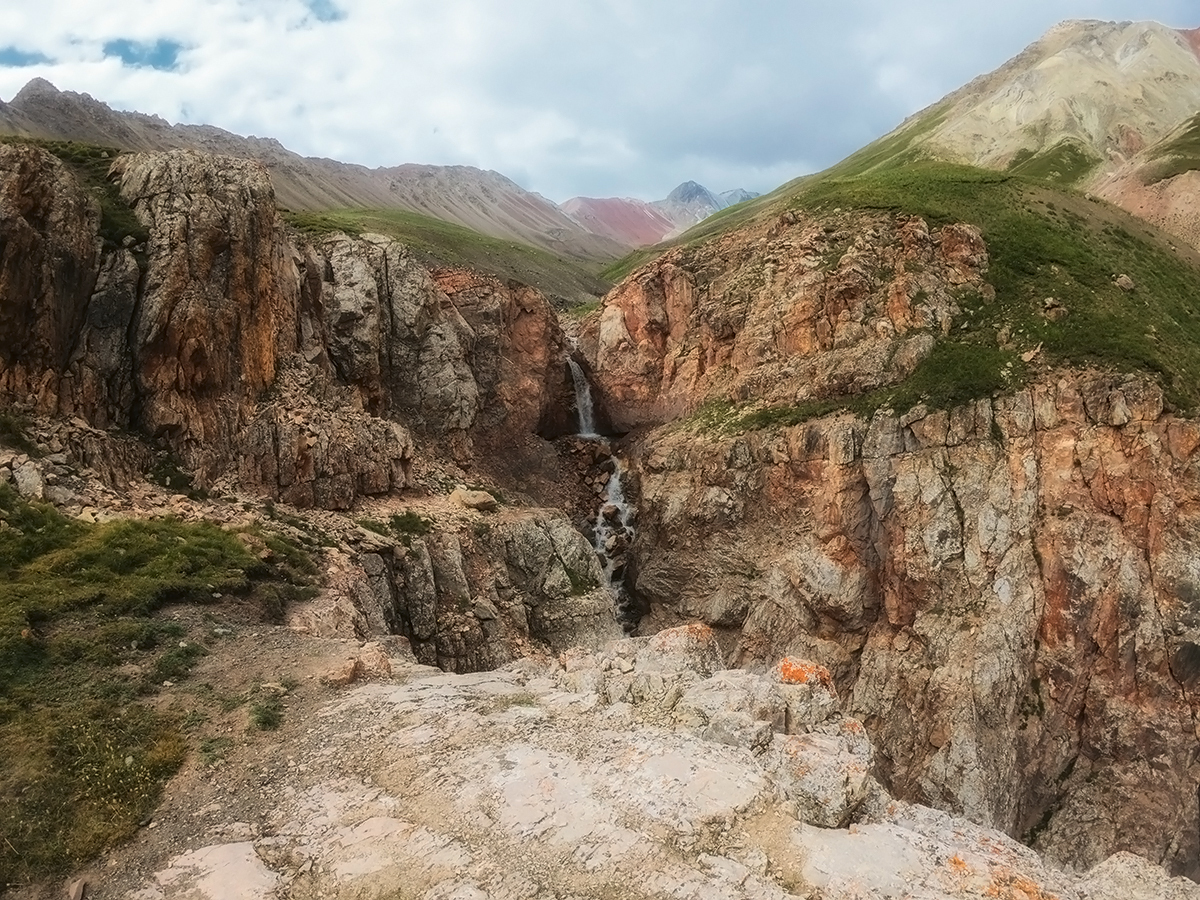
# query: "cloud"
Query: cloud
{"points": [[599, 97]]}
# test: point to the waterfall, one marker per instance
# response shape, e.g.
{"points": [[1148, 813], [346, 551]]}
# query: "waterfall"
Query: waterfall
{"points": [[614, 534], [613, 531], [583, 401]]}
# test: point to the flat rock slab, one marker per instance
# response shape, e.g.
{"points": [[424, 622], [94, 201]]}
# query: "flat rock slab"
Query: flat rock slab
{"points": [[510, 784]]}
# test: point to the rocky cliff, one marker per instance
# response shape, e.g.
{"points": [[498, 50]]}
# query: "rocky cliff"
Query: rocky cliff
{"points": [[304, 366], [1002, 589], [786, 310]]}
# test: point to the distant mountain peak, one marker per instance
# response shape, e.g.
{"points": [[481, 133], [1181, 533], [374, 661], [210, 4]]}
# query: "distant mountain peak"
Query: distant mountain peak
{"points": [[692, 192], [34, 89]]}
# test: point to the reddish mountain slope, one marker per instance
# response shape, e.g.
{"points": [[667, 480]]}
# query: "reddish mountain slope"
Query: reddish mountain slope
{"points": [[632, 222]]}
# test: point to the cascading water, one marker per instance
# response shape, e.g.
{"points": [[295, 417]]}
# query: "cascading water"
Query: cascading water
{"points": [[614, 534], [583, 401], [614, 522]]}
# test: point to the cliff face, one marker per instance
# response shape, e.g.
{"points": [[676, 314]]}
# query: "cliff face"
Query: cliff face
{"points": [[783, 311], [1005, 589], [303, 367]]}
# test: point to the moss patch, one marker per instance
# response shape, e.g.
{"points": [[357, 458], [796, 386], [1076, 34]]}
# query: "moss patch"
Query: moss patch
{"points": [[80, 648]]}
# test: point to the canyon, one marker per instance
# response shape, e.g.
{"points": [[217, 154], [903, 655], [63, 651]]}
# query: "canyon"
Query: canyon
{"points": [[834, 555]]}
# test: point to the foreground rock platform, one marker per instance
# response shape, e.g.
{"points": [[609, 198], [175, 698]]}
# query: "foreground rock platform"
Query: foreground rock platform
{"points": [[642, 771]]}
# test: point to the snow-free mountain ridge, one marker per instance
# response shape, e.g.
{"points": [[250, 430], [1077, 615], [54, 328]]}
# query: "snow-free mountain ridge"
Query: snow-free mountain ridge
{"points": [[485, 201]]}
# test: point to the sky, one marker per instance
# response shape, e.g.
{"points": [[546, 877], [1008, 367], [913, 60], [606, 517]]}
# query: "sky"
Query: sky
{"points": [[596, 98]]}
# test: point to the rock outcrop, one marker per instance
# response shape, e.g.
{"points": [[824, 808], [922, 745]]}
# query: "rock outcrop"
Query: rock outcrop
{"points": [[784, 311], [297, 369], [470, 599], [1004, 592]]}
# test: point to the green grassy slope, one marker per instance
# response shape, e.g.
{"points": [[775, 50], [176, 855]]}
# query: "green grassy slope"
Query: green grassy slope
{"points": [[90, 164], [1048, 243], [82, 656], [1178, 154], [438, 243]]}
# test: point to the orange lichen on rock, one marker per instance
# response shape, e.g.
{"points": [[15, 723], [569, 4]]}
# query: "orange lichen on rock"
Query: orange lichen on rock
{"points": [[1009, 885], [800, 671], [958, 865]]}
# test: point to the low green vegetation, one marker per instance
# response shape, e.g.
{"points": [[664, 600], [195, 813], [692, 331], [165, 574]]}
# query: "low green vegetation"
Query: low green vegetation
{"points": [[437, 243], [90, 164], [404, 525], [1066, 163], [893, 150], [1049, 244], [624, 267], [955, 372], [267, 714], [1178, 155], [13, 430], [84, 645], [582, 310], [167, 472]]}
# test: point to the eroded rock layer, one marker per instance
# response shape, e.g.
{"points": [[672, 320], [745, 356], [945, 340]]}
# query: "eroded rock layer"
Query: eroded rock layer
{"points": [[792, 309]]}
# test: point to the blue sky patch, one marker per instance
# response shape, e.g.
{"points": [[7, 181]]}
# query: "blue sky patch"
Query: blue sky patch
{"points": [[162, 54], [16, 57], [325, 10]]}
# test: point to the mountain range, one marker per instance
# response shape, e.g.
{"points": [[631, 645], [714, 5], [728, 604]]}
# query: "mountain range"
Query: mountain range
{"points": [[484, 201], [1104, 107], [583, 229]]}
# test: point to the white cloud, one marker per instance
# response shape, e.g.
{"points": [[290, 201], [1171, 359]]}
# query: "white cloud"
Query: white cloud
{"points": [[601, 97]]}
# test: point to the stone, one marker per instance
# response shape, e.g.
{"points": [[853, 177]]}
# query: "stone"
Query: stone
{"points": [[477, 500], [826, 776], [373, 662], [1124, 282], [28, 479], [60, 496], [342, 675]]}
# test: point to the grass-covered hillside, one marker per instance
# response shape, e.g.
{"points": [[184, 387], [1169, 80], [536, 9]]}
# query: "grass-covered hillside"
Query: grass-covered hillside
{"points": [[1179, 153], [1049, 244], [85, 648], [438, 243]]}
